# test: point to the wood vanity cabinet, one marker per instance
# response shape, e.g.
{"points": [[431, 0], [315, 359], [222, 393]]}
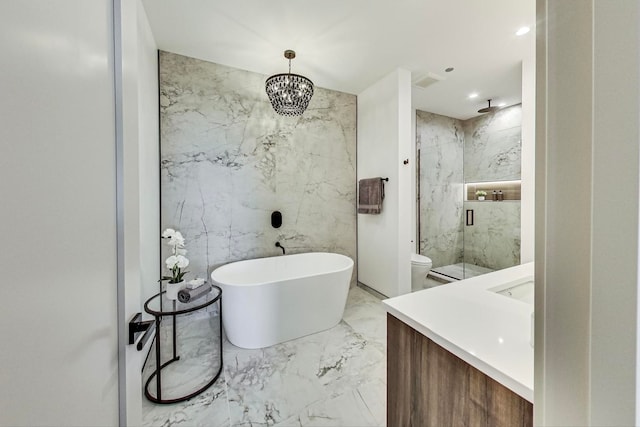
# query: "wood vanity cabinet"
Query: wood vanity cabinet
{"points": [[429, 386]]}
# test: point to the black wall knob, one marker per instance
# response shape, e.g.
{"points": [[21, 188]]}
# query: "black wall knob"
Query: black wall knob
{"points": [[276, 219]]}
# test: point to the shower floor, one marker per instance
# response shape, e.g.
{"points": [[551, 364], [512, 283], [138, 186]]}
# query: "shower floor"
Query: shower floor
{"points": [[459, 271]]}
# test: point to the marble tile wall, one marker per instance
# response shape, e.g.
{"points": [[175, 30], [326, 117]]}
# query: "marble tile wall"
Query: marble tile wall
{"points": [[228, 160], [492, 146], [485, 148], [440, 140], [492, 152], [493, 241]]}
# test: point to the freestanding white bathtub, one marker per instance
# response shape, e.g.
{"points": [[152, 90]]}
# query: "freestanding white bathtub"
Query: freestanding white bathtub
{"points": [[271, 300]]}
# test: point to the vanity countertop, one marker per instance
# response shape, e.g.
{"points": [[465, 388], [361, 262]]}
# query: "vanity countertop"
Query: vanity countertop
{"points": [[488, 330]]}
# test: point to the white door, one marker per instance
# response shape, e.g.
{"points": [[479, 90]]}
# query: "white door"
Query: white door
{"points": [[138, 186], [128, 219], [70, 212], [58, 322]]}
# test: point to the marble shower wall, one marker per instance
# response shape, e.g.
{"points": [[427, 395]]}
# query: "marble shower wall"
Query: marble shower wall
{"points": [[440, 140], [492, 152], [228, 161], [452, 151], [494, 239], [492, 145]]}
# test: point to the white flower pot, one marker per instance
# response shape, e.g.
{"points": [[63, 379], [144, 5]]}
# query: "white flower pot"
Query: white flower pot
{"points": [[480, 197], [173, 289]]}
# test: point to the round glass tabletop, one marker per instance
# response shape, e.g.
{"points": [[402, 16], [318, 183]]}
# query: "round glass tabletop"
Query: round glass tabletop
{"points": [[160, 305]]}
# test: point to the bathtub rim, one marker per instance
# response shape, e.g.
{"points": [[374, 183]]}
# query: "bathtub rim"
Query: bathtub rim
{"points": [[283, 279]]}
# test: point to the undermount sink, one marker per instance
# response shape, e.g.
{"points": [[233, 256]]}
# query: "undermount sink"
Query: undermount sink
{"points": [[521, 290]]}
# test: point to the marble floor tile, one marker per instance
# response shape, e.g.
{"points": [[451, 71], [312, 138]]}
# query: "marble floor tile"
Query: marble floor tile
{"points": [[269, 385], [375, 400], [335, 377], [207, 409], [348, 409], [365, 314]]}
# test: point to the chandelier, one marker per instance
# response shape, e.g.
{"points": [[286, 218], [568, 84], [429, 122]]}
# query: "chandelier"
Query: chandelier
{"points": [[289, 93]]}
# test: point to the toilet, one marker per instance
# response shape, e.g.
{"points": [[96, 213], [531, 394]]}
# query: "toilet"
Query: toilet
{"points": [[420, 266]]}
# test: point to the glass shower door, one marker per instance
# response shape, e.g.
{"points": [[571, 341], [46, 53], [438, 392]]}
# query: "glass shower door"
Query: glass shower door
{"points": [[440, 198], [468, 193], [492, 165]]}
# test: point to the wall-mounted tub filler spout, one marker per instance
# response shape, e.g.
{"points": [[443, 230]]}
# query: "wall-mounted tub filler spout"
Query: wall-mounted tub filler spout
{"points": [[281, 247]]}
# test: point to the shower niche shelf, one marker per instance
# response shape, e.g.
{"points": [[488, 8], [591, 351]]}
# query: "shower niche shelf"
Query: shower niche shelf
{"points": [[510, 190]]}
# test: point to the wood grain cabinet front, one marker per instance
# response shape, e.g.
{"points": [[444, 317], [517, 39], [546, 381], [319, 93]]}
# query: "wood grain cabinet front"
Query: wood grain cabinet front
{"points": [[429, 386]]}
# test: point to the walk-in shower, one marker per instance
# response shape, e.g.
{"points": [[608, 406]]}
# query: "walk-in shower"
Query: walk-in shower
{"points": [[468, 192]]}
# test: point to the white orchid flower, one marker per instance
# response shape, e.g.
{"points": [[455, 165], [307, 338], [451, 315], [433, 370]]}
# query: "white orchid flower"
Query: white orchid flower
{"points": [[182, 262], [171, 261], [177, 261], [168, 233], [176, 240]]}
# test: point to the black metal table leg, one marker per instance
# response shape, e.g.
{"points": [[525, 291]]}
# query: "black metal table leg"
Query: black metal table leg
{"points": [[176, 310], [159, 379]]}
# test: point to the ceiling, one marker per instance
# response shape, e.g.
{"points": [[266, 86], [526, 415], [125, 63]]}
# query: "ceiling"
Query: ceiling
{"points": [[348, 45]]}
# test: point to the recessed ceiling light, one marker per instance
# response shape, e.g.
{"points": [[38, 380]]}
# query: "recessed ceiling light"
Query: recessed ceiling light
{"points": [[522, 31], [448, 70], [473, 95]]}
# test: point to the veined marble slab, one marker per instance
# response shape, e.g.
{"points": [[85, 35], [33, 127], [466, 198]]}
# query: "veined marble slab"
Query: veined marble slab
{"points": [[493, 241], [228, 161], [485, 148], [440, 140], [492, 146]]}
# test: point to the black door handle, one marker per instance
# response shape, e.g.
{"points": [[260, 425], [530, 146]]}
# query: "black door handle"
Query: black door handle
{"points": [[469, 217]]}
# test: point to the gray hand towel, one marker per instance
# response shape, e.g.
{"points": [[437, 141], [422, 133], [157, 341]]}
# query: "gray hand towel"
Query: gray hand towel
{"points": [[370, 195], [186, 295]]}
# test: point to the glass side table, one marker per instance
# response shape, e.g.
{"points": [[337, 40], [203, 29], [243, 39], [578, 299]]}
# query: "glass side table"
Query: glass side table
{"points": [[162, 308]]}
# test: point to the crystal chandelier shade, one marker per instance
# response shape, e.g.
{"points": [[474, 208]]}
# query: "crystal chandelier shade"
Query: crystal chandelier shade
{"points": [[288, 93]]}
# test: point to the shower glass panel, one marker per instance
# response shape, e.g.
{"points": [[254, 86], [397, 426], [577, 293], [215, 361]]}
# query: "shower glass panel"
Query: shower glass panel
{"points": [[440, 199], [463, 235], [492, 164]]}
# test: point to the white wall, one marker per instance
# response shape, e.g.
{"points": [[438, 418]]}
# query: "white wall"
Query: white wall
{"points": [[406, 181], [588, 121], [384, 141], [58, 355]]}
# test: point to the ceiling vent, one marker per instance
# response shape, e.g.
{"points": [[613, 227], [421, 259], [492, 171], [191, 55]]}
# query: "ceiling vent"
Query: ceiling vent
{"points": [[426, 79]]}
